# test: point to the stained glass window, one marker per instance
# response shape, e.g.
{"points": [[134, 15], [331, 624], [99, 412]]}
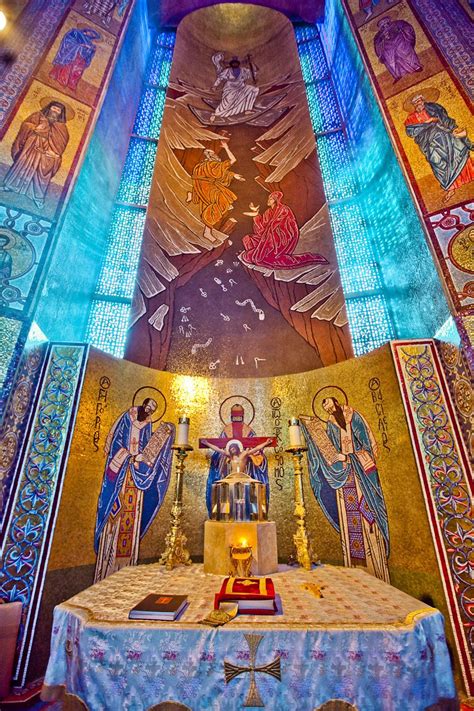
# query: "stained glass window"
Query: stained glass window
{"points": [[367, 310], [110, 311]]}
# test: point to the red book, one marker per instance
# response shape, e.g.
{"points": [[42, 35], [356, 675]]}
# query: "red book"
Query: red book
{"points": [[254, 596]]}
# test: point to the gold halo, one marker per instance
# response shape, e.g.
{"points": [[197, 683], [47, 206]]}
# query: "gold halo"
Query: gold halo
{"points": [[329, 391], [238, 398], [429, 94], [70, 113], [149, 391]]}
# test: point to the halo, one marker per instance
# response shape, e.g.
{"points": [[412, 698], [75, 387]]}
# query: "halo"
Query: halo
{"points": [[429, 94], [238, 398], [149, 391], [45, 100], [329, 391], [234, 441]]}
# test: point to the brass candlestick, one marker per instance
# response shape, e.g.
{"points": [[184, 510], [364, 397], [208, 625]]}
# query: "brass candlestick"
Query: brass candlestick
{"points": [[304, 554], [176, 552]]}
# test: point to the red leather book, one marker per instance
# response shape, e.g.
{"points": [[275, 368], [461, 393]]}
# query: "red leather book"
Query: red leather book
{"points": [[254, 596]]}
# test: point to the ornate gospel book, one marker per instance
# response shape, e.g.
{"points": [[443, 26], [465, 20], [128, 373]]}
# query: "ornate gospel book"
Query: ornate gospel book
{"points": [[254, 596], [158, 607]]}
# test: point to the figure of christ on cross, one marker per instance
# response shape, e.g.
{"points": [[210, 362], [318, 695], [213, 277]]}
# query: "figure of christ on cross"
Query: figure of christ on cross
{"points": [[256, 463], [236, 453]]}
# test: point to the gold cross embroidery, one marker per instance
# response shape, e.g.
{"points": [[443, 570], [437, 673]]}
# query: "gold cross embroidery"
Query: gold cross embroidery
{"points": [[233, 670]]}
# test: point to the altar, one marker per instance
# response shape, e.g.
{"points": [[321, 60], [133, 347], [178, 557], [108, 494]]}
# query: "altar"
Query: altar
{"points": [[363, 642]]}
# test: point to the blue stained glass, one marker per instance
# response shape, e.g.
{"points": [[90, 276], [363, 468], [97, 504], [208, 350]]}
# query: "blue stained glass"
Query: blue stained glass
{"points": [[107, 328], [357, 263], [323, 108], [336, 167], [137, 172], [150, 113], [160, 65], [303, 33], [313, 61], [369, 322], [117, 277], [108, 319]]}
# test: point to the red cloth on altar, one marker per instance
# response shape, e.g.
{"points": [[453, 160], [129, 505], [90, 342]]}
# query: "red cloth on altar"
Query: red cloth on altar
{"points": [[275, 236]]}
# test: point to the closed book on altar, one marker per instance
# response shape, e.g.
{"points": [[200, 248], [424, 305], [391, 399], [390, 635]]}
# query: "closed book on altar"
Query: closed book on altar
{"points": [[158, 607], [254, 596]]}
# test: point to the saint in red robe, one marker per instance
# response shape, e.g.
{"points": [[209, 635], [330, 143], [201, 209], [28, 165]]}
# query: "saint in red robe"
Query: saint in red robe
{"points": [[275, 238]]}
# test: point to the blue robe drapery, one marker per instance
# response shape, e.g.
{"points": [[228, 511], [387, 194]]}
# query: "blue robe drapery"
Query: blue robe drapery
{"points": [[76, 43], [446, 154], [218, 470], [152, 480], [327, 479]]}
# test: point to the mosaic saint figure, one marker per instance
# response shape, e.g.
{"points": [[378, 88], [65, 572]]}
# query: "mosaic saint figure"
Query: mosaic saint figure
{"points": [[275, 237], [37, 152], [133, 487], [211, 180], [104, 9], [256, 462], [446, 147], [75, 53], [238, 96], [346, 484], [394, 45], [367, 6]]}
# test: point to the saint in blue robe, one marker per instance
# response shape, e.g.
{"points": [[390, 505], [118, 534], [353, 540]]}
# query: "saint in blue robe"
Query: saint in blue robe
{"points": [[125, 475]]}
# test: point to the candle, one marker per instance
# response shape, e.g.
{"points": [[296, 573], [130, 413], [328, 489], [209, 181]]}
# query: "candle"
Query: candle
{"points": [[182, 435], [296, 437]]}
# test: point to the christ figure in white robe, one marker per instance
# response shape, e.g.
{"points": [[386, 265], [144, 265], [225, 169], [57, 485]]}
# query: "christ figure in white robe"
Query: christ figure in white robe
{"points": [[238, 97]]}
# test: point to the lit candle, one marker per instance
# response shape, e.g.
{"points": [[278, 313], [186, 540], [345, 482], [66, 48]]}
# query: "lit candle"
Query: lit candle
{"points": [[182, 435], [296, 437], [243, 543]]}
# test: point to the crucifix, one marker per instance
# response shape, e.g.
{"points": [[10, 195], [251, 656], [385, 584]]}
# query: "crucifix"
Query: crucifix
{"points": [[237, 430]]}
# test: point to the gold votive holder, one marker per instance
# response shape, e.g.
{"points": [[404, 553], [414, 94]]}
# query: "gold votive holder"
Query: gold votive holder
{"points": [[241, 560]]}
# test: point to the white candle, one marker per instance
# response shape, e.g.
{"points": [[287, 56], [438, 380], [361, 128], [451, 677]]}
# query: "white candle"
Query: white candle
{"points": [[296, 437], [182, 435]]}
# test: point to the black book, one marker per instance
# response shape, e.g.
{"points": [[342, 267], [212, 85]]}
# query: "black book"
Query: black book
{"points": [[158, 607]]}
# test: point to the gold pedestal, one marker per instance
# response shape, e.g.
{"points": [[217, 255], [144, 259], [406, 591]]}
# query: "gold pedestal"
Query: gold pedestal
{"points": [[260, 536], [176, 552]]}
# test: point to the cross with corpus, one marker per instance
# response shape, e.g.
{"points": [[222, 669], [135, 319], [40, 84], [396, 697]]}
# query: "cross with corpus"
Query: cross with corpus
{"points": [[237, 429]]}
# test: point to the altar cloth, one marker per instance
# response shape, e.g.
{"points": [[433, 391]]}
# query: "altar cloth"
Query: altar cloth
{"points": [[364, 642]]}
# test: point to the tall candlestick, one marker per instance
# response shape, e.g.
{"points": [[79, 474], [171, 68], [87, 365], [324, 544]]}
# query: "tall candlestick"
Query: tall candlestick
{"points": [[182, 433], [176, 552], [294, 430]]}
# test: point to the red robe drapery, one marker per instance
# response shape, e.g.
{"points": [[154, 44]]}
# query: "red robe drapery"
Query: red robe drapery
{"points": [[275, 237]]}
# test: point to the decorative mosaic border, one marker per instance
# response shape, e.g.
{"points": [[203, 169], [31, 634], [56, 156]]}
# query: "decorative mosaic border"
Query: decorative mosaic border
{"points": [[31, 522], [15, 423], [444, 468]]}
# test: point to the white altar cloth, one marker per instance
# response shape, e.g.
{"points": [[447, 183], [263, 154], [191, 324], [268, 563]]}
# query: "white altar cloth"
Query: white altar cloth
{"points": [[364, 642]]}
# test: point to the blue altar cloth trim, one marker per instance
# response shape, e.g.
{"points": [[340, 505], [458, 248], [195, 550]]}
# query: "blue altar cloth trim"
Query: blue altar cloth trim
{"points": [[139, 665]]}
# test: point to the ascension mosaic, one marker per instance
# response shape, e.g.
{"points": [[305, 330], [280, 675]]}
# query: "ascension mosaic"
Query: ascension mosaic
{"points": [[238, 251]]}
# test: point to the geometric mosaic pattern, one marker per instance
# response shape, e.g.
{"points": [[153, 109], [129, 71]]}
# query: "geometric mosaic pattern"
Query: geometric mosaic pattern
{"points": [[30, 525], [444, 467]]}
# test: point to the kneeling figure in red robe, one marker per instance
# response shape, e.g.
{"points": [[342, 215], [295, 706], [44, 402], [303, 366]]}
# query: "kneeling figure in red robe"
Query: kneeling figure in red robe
{"points": [[275, 238]]}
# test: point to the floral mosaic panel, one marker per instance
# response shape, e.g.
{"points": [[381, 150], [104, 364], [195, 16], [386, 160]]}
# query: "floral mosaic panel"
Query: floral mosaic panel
{"points": [[32, 517], [444, 468]]}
